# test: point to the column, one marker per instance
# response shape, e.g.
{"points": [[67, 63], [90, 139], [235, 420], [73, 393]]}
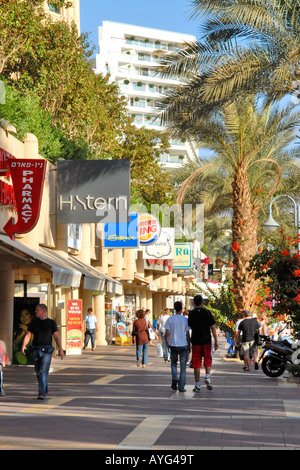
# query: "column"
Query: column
{"points": [[7, 307], [99, 311]]}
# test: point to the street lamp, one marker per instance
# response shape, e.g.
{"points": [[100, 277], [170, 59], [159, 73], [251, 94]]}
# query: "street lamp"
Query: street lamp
{"points": [[271, 225], [270, 247]]}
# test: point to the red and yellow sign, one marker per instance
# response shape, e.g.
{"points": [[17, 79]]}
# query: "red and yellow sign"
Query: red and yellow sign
{"points": [[28, 180], [149, 229], [74, 327]]}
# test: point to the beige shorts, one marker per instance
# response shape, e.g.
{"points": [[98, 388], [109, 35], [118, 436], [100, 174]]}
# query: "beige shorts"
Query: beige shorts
{"points": [[248, 348]]}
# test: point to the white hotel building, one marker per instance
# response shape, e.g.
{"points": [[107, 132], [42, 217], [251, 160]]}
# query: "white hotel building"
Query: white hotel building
{"points": [[129, 53]]}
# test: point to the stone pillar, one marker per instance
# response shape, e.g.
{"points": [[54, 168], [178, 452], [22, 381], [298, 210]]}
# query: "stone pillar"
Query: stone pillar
{"points": [[7, 307], [87, 301], [99, 311], [62, 240]]}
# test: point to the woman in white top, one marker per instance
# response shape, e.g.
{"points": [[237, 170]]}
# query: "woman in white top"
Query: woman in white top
{"points": [[283, 329]]}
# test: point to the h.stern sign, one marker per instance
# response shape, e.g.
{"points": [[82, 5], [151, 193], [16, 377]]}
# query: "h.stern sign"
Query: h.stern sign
{"points": [[91, 191]]}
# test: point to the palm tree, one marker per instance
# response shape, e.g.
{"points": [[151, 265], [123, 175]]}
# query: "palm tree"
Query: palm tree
{"points": [[248, 47], [248, 140]]}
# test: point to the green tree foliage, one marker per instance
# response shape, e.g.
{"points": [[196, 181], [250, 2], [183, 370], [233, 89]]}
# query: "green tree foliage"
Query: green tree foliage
{"points": [[48, 64], [247, 47], [28, 116], [248, 141]]}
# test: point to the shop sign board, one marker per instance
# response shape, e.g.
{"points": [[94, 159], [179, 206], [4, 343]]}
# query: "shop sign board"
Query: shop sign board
{"points": [[162, 247], [142, 229], [92, 191], [74, 327], [28, 180], [7, 196], [149, 229], [5, 158], [183, 255], [122, 235]]}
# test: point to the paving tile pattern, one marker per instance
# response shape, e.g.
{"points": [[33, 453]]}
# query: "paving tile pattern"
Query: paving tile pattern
{"points": [[101, 400]]}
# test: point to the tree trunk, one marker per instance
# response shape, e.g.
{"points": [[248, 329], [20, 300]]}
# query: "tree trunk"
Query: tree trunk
{"points": [[244, 240]]}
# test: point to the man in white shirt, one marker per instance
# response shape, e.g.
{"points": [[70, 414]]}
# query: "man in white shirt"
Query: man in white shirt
{"points": [[283, 328], [162, 332], [178, 340], [90, 322]]}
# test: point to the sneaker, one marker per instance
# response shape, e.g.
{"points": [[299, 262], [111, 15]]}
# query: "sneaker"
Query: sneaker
{"points": [[197, 388], [181, 390], [2, 393], [208, 384], [138, 362], [41, 397], [174, 384]]}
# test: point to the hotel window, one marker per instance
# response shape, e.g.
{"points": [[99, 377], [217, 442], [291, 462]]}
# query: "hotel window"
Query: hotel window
{"points": [[133, 41], [139, 86], [144, 57], [138, 119], [137, 101], [54, 9], [143, 71]]}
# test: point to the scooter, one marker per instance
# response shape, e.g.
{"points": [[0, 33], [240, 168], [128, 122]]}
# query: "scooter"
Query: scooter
{"points": [[275, 356]]}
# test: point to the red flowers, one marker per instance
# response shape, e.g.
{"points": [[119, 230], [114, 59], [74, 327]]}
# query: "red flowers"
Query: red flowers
{"points": [[235, 246], [297, 299], [285, 252], [297, 272]]}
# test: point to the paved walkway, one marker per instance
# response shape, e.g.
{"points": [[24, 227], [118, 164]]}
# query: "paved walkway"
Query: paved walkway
{"points": [[102, 400]]}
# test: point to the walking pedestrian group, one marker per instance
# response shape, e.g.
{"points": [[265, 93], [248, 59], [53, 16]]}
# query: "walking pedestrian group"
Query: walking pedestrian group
{"points": [[179, 335]]}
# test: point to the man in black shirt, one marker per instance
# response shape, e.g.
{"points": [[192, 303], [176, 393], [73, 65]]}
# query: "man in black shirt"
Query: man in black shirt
{"points": [[42, 328], [249, 327], [202, 324]]}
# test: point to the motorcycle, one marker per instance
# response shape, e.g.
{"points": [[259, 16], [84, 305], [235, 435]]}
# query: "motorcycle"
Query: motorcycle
{"points": [[275, 355]]}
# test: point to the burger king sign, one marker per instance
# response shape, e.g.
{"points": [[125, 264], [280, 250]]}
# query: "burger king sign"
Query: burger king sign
{"points": [[148, 228]]}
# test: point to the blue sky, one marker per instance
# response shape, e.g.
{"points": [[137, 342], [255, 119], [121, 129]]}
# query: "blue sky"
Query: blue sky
{"points": [[170, 15]]}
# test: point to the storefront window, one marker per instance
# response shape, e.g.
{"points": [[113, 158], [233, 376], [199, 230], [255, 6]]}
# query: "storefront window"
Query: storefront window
{"points": [[27, 289]]}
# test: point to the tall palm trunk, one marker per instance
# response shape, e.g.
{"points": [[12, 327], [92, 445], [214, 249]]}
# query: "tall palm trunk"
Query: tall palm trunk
{"points": [[244, 239]]}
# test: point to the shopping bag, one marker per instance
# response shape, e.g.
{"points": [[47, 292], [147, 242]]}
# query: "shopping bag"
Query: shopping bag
{"points": [[159, 350]]}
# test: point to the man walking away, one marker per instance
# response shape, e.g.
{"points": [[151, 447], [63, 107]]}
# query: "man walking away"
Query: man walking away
{"points": [[249, 327], [178, 340], [42, 328], [202, 324]]}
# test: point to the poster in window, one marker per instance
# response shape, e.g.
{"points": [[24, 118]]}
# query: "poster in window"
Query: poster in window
{"points": [[24, 313]]}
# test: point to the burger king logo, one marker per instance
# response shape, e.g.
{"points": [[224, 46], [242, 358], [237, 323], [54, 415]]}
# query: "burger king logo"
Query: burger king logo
{"points": [[149, 229]]}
